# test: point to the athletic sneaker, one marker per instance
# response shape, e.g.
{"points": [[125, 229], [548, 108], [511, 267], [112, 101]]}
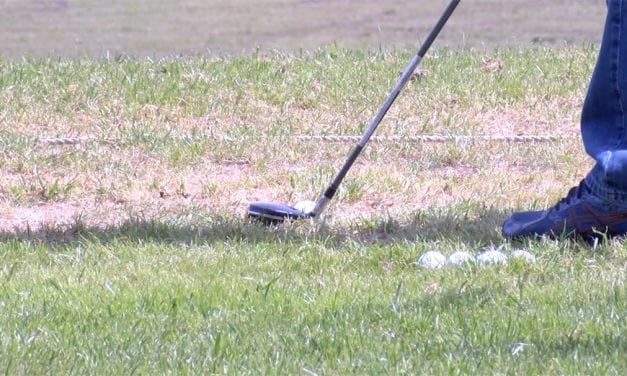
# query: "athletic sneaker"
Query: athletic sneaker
{"points": [[580, 213]]}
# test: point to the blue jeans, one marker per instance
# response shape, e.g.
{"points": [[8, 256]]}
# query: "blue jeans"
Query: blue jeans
{"points": [[603, 119]]}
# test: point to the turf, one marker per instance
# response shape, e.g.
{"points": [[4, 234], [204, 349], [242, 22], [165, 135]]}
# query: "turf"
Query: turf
{"points": [[130, 253]]}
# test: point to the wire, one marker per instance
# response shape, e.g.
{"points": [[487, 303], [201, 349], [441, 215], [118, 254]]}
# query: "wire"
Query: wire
{"points": [[336, 139]]}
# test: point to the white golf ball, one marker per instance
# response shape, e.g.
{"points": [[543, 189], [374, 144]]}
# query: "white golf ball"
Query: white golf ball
{"points": [[305, 206], [492, 257], [432, 260], [522, 254], [458, 258]]}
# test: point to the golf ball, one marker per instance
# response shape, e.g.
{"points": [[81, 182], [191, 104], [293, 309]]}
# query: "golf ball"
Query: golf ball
{"points": [[432, 260], [305, 206], [522, 254], [458, 258], [492, 257]]}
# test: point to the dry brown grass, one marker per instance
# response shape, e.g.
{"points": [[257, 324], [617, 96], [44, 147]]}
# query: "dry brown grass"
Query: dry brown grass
{"points": [[396, 179], [163, 162]]}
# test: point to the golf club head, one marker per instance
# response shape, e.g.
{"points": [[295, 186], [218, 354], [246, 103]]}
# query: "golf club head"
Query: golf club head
{"points": [[271, 213]]}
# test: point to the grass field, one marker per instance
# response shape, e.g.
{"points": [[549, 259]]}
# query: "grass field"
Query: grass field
{"points": [[124, 248], [130, 253]]}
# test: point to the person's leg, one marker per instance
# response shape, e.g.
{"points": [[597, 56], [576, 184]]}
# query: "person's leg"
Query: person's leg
{"points": [[603, 120], [599, 203]]}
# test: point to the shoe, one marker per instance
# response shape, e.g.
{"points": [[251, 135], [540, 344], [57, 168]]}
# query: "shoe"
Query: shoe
{"points": [[580, 213]]}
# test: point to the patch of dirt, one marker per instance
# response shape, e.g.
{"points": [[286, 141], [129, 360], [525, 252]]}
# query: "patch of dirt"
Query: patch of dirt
{"points": [[21, 218], [101, 28], [517, 121]]}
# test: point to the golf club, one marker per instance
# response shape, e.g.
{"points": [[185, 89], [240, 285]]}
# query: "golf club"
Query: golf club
{"points": [[272, 213]]}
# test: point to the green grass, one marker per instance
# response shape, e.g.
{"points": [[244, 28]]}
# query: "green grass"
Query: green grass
{"points": [[132, 255], [222, 296]]}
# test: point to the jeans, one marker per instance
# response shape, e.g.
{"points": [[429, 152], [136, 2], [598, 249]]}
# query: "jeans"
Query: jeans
{"points": [[603, 118]]}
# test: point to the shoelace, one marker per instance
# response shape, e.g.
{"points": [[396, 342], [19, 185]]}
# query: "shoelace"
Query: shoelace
{"points": [[573, 193]]}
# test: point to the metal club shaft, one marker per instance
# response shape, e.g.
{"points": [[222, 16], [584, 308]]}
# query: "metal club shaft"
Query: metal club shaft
{"points": [[328, 194]]}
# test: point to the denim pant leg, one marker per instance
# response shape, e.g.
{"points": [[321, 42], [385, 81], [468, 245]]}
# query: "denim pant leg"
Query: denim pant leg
{"points": [[603, 120]]}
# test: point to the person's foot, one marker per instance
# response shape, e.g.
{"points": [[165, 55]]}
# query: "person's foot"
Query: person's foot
{"points": [[580, 213]]}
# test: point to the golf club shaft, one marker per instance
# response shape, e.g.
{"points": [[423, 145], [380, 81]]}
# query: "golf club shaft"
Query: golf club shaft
{"points": [[328, 194]]}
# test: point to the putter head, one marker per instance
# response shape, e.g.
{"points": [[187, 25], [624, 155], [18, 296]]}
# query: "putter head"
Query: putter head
{"points": [[271, 213]]}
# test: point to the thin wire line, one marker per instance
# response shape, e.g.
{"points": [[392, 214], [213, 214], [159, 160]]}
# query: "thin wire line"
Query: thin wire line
{"points": [[334, 139]]}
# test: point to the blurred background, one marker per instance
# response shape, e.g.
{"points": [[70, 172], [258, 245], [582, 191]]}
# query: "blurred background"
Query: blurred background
{"points": [[157, 28]]}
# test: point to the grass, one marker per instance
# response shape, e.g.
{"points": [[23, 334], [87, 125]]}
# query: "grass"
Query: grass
{"points": [[198, 121], [131, 255], [156, 298]]}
